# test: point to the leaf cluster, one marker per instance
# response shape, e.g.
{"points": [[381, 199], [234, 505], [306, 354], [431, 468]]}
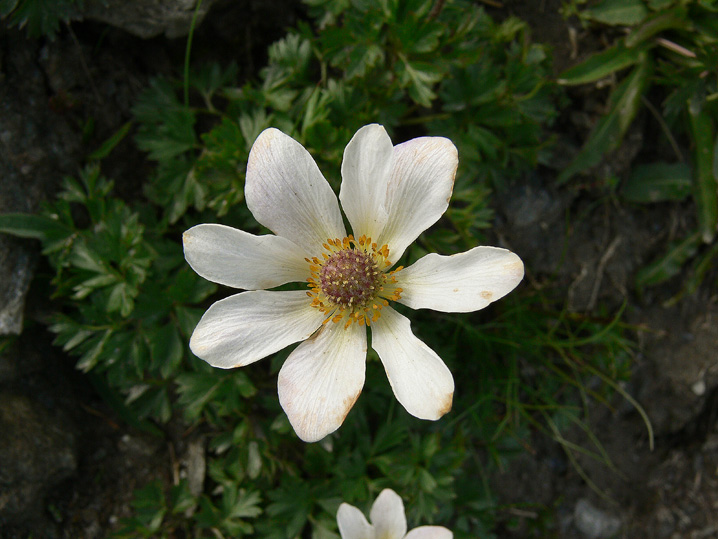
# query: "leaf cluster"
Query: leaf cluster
{"points": [[454, 73]]}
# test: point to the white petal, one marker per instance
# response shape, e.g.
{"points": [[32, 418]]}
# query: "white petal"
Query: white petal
{"points": [[236, 258], [422, 383], [287, 193], [429, 532], [366, 168], [246, 327], [321, 380], [352, 524], [387, 515], [460, 283], [419, 190]]}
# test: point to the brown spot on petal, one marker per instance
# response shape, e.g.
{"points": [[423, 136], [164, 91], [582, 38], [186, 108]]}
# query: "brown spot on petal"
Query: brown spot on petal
{"points": [[445, 407], [349, 404], [487, 295]]}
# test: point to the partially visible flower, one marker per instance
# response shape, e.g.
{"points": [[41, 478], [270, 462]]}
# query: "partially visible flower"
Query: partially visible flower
{"points": [[390, 195], [387, 521]]}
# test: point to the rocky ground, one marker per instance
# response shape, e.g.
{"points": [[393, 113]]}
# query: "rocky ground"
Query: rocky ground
{"points": [[68, 466]]}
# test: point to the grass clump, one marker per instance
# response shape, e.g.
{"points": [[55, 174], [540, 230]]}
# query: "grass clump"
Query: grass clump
{"points": [[663, 60]]}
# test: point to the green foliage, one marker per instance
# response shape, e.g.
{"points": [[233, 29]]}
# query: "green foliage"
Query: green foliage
{"points": [[39, 17], [670, 50], [488, 93], [127, 303], [157, 515], [127, 287]]}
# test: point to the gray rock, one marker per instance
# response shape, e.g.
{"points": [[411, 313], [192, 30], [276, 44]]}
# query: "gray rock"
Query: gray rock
{"points": [[147, 18], [593, 522], [16, 266], [38, 450], [681, 355], [36, 146]]}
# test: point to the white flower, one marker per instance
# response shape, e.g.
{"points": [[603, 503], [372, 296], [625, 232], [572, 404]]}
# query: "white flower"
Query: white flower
{"points": [[390, 194], [387, 521]]}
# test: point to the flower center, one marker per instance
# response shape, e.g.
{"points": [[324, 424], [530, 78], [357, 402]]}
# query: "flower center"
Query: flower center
{"points": [[350, 283], [349, 277]]}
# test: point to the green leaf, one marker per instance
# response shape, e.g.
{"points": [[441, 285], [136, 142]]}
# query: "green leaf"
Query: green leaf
{"points": [[176, 188], [705, 187], [361, 59], [210, 78], [243, 384], [315, 112], [659, 22], [419, 78], [658, 182], [92, 355], [196, 389], [242, 504], [290, 55], [669, 264], [106, 148], [610, 129], [166, 348], [176, 137], [188, 287], [25, 225], [77, 337], [150, 505], [254, 460], [252, 124], [121, 299], [87, 286], [154, 402], [618, 12], [699, 269], [426, 480], [235, 505], [85, 258], [181, 499], [166, 126], [601, 65]]}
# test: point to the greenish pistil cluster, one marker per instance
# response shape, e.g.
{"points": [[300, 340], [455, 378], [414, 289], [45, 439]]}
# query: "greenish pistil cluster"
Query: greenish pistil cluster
{"points": [[349, 278]]}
